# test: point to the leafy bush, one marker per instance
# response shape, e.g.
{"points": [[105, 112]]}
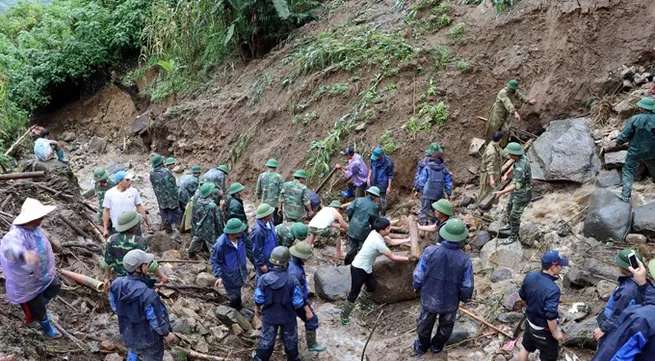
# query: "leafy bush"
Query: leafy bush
{"points": [[457, 30], [463, 66], [387, 143]]}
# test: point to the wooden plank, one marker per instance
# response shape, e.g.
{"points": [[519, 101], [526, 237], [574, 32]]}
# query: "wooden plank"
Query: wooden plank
{"points": [[320, 186], [21, 175], [415, 245]]}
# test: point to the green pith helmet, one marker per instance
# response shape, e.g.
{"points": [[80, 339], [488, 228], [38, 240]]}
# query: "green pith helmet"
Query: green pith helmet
{"points": [[157, 160], [264, 210], [443, 206], [100, 174], [299, 231], [236, 187], [280, 256], [647, 103], [514, 148], [272, 163], [301, 250], [204, 180], [335, 204], [300, 173], [454, 230], [224, 168], [234, 226], [127, 220], [621, 258], [170, 161], [196, 169], [206, 190], [434, 147], [513, 84], [374, 191]]}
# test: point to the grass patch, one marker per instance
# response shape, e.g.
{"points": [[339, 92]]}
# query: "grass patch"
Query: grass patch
{"points": [[457, 30], [262, 83], [463, 66], [429, 111], [387, 143]]}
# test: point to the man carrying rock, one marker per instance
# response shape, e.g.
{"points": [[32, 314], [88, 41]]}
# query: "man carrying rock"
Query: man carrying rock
{"points": [[328, 223], [541, 295], [228, 260], [277, 297], [504, 107], [625, 295], [142, 317], [434, 182], [103, 184], [188, 185], [521, 189], [269, 185], [208, 222], [490, 165], [165, 188], [639, 132], [300, 253], [444, 278], [119, 244], [294, 202], [263, 238], [28, 265], [433, 147], [356, 172], [218, 176], [122, 198], [287, 233], [362, 213], [380, 175], [443, 210]]}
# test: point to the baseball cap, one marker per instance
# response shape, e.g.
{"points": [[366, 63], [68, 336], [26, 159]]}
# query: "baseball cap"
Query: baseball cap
{"points": [[348, 151], [123, 175], [552, 258], [135, 258], [377, 153]]}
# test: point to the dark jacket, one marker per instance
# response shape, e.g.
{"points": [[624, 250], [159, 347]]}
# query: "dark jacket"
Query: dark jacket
{"points": [[624, 296], [229, 262], [234, 209], [435, 180], [279, 295], [297, 269], [632, 338], [640, 132], [362, 213], [541, 294], [381, 172], [444, 275], [263, 241], [419, 169], [142, 317]]}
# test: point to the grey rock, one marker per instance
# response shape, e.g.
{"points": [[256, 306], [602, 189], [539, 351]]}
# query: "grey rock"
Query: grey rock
{"points": [[113, 357], [394, 280], [580, 334], [608, 218], [641, 78], [574, 312], [512, 301], [605, 289], [628, 72], [501, 274], [578, 278], [68, 136], [477, 265], [228, 316], [589, 273], [566, 151], [97, 145], [494, 230], [476, 146], [461, 332], [644, 220], [466, 201], [591, 241], [140, 123], [332, 283], [623, 108], [615, 159], [627, 84], [529, 234], [495, 254], [608, 178], [510, 317], [481, 238], [204, 279], [635, 238], [183, 325]]}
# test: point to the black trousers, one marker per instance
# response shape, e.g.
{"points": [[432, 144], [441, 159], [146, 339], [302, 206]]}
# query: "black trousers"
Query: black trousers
{"points": [[359, 279], [35, 308]]}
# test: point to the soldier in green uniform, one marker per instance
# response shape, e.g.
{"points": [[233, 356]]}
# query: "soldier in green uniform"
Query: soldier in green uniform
{"points": [[640, 133], [287, 233], [188, 185], [122, 242], [504, 107], [362, 213], [234, 209], [521, 189], [170, 163], [165, 188], [490, 166], [209, 223], [294, 202], [218, 175], [103, 184], [269, 185]]}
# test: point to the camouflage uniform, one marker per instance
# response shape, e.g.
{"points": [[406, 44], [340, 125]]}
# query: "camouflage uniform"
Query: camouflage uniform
{"points": [[283, 234], [165, 188], [187, 186], [491, 164], [218, 178], [269, 185], [100, 192], [234, 209], [502, 112], [329, 234], [207, 225], [521, 196], [295, 198], [117, 247]]}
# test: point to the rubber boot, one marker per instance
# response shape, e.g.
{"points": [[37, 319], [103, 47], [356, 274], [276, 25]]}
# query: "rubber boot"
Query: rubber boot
{"points": [[345, 312], [364, 301], [311, 342], [131, 356], [60, 156], [48, 329]]}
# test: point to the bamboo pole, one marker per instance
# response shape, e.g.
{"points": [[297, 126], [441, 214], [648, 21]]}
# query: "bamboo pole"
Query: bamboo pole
{"points": [[74, 227], [320, 186], [21, 175], [19, 140], [482, 321]]}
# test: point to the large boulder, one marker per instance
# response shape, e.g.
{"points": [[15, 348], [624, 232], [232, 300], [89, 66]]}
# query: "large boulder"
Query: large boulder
{"points": [[608, 218], [394, 280], [615, 159], [589, 273], [580, 334], [644, 220], [566, 151], [332, 283], [608, 178], [495, 254]]}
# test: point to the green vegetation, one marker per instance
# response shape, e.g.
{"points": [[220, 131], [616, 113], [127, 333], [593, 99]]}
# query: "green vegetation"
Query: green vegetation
{"points": [[331, 90], [262, 83], [457, 30], [502, 5], [428, 112], [463, 66], [304, 119], [387, 143], [427, 16]]}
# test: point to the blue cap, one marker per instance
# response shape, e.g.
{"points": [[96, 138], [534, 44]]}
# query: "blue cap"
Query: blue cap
{"points": [[377, 152], [553, 258], [119, 176]]}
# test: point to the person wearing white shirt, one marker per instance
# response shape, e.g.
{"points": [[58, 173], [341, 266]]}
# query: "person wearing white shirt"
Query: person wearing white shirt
{"points": [[122, 198]]}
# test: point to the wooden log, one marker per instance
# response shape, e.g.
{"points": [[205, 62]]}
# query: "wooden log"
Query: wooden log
{"points": [[21, 175], [398, 229], [194, 355], [74, 227], [413, 236], [19, 140], [90, 206], [96, 232], [178, 261], [481, 320], [320, 186], [6, 201], [54, 192]]}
